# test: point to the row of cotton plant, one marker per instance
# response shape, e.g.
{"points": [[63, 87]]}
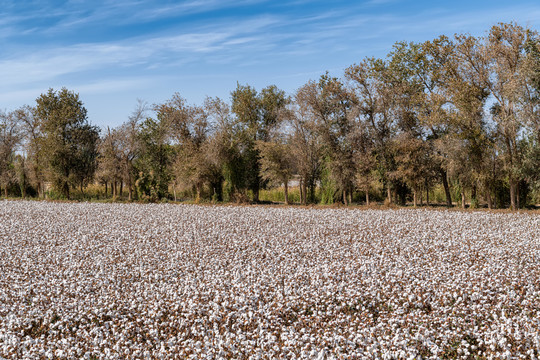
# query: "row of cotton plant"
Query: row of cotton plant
{"points": [[132, 281]]}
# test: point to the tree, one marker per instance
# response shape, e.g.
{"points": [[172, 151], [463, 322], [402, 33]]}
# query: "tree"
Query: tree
{"points": [[129, 146], [21, 172], [530, 111], [531, 162], [85, 138], [10, 137], [505, 46], [33, 148], [69, 140], [504, 51], [276, 163], [109, 162], [223, 152], [305, 147], [376, 101], [189, 130], [328, 103], [155, 159], [413, 161], [259, 114], [467, 144], [364, 158], [431, 66]]}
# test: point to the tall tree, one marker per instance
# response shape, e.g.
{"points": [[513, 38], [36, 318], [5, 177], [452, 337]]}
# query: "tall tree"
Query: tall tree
{"points": [[69, 141], [305, 145], [10, 137], [129, 145], [223, 152], [468, 143], [154, 163], [504, 50], [373, 83], [189, 130], [505, 45], [109, 162], [329, 104], [431, 65], [86, 152], [260, 114], [33, 148], [530, 111]]}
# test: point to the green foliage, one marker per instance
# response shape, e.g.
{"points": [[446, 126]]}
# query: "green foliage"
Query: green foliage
{"points": [[258, 115], [233, 170], [392, 127], [154, 163], [328, 186], [531, 162], [69, 141]]}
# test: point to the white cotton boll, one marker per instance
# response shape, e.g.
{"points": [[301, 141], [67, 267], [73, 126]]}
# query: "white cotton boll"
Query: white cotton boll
{"points": [[226, 281], [321, 355]]}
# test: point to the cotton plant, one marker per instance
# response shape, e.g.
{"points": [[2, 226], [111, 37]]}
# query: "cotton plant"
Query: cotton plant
{"points": [[127, 281]]}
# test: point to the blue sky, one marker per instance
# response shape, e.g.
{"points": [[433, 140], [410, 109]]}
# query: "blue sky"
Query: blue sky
{"points": [[113, 52]]}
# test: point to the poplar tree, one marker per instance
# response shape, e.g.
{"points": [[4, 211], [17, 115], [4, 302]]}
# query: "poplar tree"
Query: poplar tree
{"points": [[69, 141]]}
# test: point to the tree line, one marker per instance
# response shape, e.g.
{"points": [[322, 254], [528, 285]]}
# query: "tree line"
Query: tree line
{"points": [[461, 114]]}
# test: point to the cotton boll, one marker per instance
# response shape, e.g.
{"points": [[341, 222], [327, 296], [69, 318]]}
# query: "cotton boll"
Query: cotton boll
{"points": [[237, 281]]}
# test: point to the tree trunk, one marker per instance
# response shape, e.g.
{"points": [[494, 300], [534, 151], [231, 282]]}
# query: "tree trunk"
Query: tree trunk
{"points": [[367, 198], [66, 189], [389, 194], [5, 192], [446, 188], [513, 194], [427, 195], [345, 198], [106, 190], [198, 191], [312, 191], [256, 195], [114, 188], [256, 190], [350, 196], [489, 200], [463, 199], [121, 187], [130, 189], [518, 204], [415, 197], [286, 188], [300, 184], [82, 188], [218, 189]]}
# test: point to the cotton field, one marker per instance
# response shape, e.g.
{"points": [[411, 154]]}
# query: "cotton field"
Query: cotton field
{"points": [[132, 281]]}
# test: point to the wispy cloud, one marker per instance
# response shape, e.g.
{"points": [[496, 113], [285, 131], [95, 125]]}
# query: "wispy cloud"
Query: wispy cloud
{"points": [[51, 63], [109, 45]]}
